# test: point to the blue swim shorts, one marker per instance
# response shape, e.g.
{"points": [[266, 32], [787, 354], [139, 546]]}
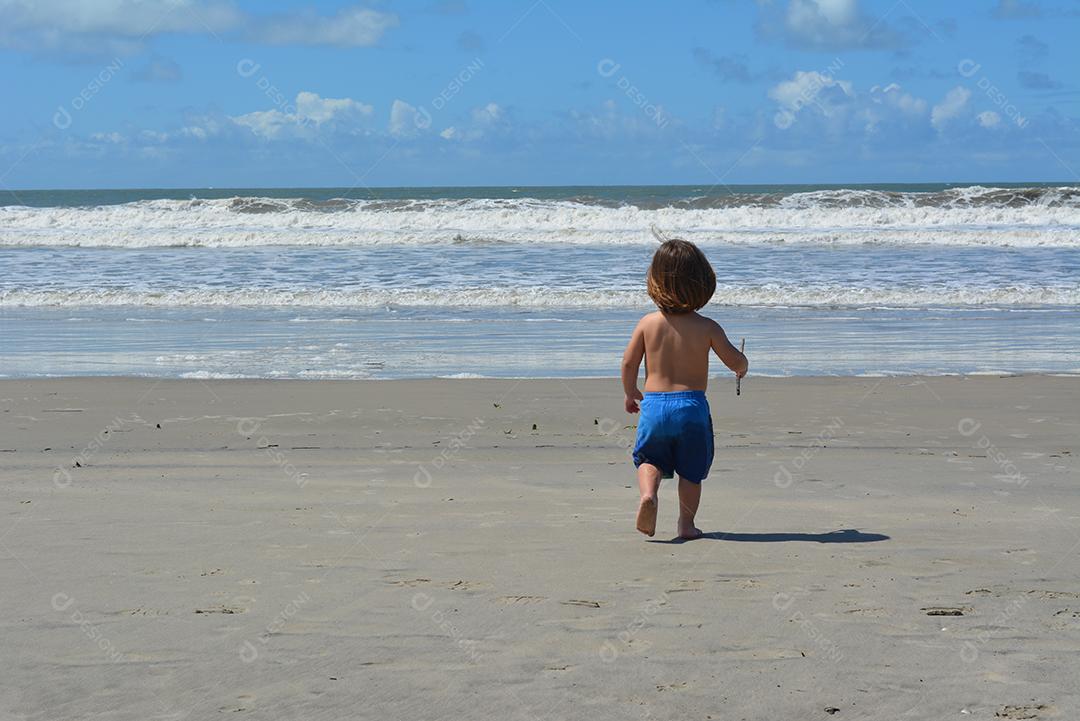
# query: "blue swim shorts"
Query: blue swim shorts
{"points": [[675, 434]]}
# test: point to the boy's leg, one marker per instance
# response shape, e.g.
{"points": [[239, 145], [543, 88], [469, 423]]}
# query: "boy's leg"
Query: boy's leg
{"points": [[649, 483], [689, 498]]}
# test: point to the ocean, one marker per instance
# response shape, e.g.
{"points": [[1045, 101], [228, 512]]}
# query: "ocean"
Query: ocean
{"points": [[532, 282]]}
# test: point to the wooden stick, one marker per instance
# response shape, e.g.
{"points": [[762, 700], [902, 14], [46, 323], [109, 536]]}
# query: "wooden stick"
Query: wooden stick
{"points": [[738, 381]]}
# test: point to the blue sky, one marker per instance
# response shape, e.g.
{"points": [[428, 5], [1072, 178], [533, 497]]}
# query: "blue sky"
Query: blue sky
{"points": [[196, 93]]}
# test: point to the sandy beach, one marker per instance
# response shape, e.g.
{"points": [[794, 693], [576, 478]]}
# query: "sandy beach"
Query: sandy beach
{"points": [[901, 548]]}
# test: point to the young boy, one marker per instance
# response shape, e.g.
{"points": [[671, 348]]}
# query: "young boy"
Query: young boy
{"points": [[675, 432]]}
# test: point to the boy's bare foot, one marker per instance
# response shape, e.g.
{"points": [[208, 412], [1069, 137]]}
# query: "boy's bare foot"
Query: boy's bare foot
{"points": [[646, 516], [689, 533]]}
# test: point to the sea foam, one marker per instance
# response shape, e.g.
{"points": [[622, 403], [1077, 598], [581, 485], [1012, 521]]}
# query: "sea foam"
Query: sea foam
{"points": [[963, 216], [772, 294]]}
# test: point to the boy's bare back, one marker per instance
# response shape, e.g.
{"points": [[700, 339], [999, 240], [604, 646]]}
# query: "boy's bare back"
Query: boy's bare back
{"points": [[675, 347]]}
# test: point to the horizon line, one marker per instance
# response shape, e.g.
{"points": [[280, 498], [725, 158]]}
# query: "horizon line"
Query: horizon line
{"points": [[985, 183]]}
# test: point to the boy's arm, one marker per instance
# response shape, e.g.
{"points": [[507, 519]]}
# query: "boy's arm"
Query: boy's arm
{"points": [[631, 363], [729, 354]]}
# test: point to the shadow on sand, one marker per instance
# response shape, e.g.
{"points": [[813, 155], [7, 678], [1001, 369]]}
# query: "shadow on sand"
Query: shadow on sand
{"points": [[848, 535]]}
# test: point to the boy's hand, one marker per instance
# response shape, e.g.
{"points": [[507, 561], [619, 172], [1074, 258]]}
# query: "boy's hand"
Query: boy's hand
{"points": [[631, 402]]}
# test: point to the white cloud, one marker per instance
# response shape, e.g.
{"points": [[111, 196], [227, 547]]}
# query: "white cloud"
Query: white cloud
{"points": [[828, 104], [106, 28], [893, 96], [488, 114], [806, 87], [270, 124], [836, 13], [406, 120], [114, 138], [320, 110], [891, 106], [484, 120], [196, 131], [951, 106], [103, 28], [199, 127], [125, 18], [153, 136], [351, 27], [989, 119], [809, 88], [308, 113], [833, 25]]}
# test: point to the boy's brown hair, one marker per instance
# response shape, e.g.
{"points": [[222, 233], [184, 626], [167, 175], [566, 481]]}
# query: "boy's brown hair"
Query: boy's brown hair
{"points": [[680, 279]]}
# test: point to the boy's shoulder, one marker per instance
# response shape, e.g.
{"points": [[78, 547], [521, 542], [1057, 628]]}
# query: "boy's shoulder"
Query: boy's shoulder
{"points": [[656, 318], [650, 320], [707, 321]]}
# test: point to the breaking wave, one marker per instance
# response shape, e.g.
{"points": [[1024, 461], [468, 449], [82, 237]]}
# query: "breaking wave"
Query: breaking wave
{"points": [[971, 216]]}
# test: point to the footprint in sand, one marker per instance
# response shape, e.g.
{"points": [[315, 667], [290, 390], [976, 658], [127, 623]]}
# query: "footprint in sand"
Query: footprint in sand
{"points": [[467, 585], [141, 612], [1053, 594], [521, 600], [1031, 711], [220, 608], [947, 610], [871, 612], [1065, 620], [692, 584]]}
